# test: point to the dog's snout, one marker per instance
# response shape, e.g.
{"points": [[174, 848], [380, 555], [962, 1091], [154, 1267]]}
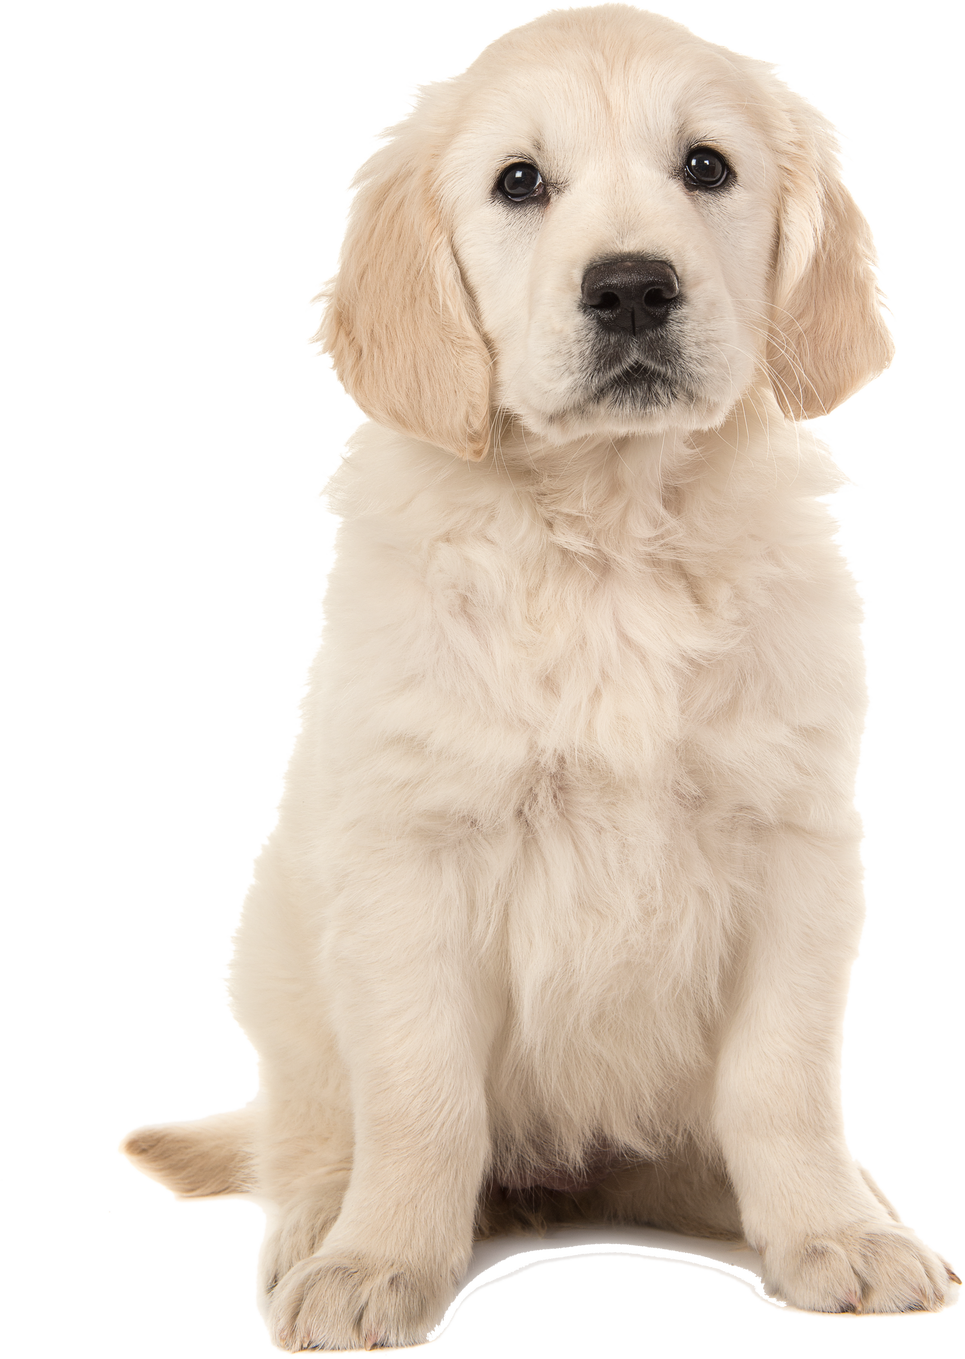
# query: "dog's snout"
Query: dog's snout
{"points": [[633, 293]]}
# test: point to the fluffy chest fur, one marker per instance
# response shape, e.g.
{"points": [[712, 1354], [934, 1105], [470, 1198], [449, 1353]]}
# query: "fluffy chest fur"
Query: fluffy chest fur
{"points": [[649, 603]]}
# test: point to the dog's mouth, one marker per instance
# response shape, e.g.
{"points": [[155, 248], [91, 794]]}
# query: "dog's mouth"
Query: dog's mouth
{"points": [[635, 385]]}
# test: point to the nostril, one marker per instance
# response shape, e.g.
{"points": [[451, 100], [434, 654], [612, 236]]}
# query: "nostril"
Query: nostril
{"points": [[658, 297], [607, 300]]}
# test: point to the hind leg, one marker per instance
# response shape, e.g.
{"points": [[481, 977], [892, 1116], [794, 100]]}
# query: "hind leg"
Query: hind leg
{"points": [[298, 1227]]}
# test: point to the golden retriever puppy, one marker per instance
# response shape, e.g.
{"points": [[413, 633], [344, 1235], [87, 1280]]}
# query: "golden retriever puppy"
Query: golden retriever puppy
{"points": [[559, 913]]}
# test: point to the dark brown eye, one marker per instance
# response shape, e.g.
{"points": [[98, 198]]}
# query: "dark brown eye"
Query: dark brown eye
{"points": [[705, 168], [520, 180]]}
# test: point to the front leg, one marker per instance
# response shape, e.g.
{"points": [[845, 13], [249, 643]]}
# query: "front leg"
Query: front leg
{"points": [[414, 1030], [827, 1242]]}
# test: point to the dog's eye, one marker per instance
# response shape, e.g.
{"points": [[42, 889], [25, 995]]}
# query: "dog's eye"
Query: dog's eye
{"points": [[520, 180], [704, 168]]}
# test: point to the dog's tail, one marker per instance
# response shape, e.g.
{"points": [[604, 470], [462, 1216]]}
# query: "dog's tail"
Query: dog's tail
{"points": [[212, 1156]]}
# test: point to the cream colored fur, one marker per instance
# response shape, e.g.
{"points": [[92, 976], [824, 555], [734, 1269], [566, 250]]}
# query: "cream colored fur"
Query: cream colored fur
{"points": [[559, 913]]}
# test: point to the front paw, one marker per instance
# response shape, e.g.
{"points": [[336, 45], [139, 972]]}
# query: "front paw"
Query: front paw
{"points": [[350, 1302], [877, 1267]]}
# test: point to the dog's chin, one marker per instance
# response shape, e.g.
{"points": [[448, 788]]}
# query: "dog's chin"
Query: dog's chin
{"points": [[638, 400]]}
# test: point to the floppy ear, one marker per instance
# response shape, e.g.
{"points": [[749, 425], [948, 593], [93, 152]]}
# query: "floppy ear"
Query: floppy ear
{"points": [[399, 323], [827, 336]]}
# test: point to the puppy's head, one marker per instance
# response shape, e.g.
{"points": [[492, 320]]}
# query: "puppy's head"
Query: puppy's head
{"points": [[408, 321]]}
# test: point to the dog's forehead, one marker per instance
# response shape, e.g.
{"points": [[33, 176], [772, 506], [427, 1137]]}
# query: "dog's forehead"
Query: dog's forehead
{"points": [[563, 88], [612, 40]]}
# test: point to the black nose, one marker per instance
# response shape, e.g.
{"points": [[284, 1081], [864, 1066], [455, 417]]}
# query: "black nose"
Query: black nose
{"points": [[633, 293]]}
